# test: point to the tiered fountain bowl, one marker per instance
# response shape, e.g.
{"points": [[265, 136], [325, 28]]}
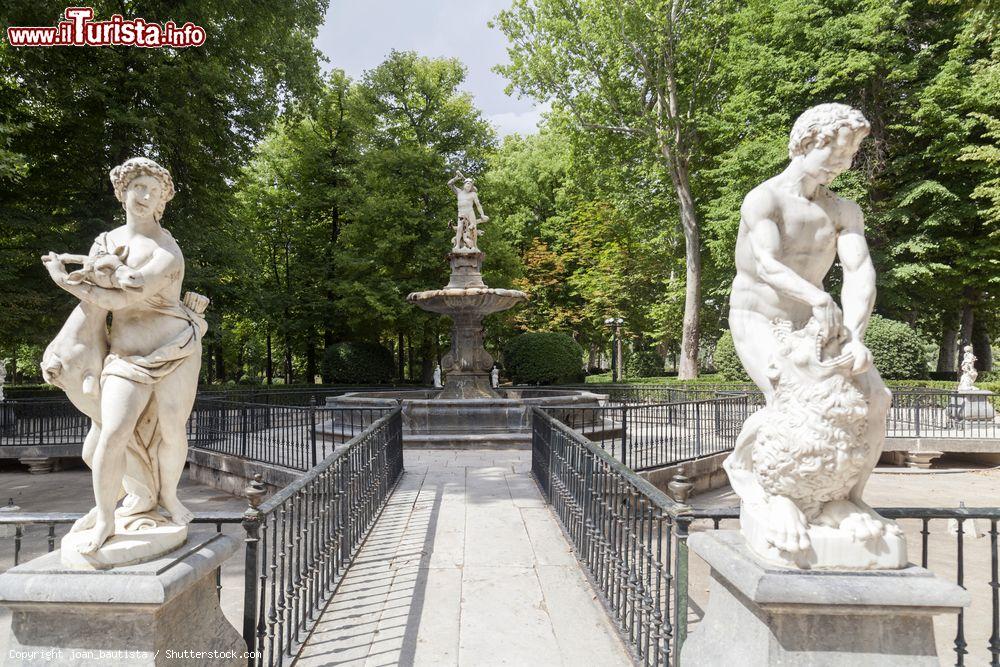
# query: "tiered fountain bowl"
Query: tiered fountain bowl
{"points": [[467, 412]]}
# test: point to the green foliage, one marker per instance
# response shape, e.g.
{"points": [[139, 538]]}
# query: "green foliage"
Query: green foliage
{"points": [[726, 361], [643, 363], [358, 363], [896, 348], [543, 358]]}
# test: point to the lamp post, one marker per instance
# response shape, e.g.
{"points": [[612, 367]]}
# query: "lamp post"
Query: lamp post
{"points": [[616, 350]]}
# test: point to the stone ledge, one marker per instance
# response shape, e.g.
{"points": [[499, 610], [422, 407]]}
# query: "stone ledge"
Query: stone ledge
{"points": [[232, 474], [44, 581], [914, 589]]}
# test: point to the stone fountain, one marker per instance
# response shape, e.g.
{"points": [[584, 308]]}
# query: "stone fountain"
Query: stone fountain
{"points": [[467, 411], [467, 300]]}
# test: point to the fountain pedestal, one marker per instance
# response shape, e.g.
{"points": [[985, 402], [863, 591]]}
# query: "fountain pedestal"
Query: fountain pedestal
{"points": [[467, 300]]}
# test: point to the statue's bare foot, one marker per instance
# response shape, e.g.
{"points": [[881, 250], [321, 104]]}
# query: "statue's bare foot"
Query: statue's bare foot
{"points": [[179, 514], [787, 528], [86, 522], [101, 532]]}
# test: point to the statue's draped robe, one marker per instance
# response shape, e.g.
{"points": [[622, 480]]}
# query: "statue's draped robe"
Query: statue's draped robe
{"points": [[142, 476]]}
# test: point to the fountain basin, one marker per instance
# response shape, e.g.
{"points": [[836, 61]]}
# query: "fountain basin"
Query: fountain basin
{"points": [[478, 300], [502, 422]]}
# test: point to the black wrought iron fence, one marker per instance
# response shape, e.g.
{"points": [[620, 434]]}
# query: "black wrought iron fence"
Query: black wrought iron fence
{"points": [[41, 421], [632, 540], [644, 436], [290, 436], [928, 413], [302, 540], [298, 543]]}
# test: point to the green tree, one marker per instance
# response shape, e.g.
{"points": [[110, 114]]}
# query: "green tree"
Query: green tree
{"points": [[638, 68], [68, 115]]}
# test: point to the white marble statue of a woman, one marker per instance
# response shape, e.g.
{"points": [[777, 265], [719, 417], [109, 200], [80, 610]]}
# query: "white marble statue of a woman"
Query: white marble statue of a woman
{"points": [[136, 381]]}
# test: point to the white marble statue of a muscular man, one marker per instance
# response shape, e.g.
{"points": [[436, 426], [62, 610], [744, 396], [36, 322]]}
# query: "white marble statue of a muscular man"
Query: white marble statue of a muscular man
{"points": [[792, 228]]}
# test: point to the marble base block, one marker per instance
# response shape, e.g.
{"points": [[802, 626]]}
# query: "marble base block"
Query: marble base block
{"points": [[829, 548], [976, 405], [161, 612], [762, 615]]}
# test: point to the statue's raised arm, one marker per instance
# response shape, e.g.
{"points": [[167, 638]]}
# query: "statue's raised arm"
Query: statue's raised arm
{"points": [[136, 381]]}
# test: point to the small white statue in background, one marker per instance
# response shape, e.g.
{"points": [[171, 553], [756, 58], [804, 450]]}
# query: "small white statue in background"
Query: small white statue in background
{"points": [[437, 377], [969, 372], [3, 376], [137, 382], [467, 228], [800, 464], [495, 377]]}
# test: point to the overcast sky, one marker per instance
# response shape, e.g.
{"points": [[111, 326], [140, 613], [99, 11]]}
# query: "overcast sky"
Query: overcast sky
{"points": [[358, 35]]}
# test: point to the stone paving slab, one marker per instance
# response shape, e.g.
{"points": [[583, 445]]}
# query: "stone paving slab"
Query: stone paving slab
{"points": [[466, 566]]}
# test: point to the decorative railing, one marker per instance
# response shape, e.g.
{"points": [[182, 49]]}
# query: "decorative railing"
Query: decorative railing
{"points": [[645, 436], [301, 541], [298, 544], [632, 540], [289, 436]]}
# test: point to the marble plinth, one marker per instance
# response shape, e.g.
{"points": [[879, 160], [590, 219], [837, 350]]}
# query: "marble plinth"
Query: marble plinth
{"points": [[762, 615], [125, 547], [145, 614], [976, 405], [829, 548]]}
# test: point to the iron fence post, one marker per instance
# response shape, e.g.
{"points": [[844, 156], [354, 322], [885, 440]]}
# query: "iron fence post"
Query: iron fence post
{"points": [[916, 416], [244, 440], [312, 435], [251, 525], [625, 456], [680, 587], [697, 429]]}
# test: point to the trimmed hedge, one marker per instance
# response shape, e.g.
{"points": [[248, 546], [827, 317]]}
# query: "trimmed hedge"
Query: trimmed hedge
{"points": [[896, 349], [727, 362], [543, 358], [643, 363], [358, 363]]}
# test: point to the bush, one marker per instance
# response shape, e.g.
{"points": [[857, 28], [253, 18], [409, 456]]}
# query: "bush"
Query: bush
{"points": [[543, 358], [643, 363], [726, 361], [358, 363], [896, 348]]}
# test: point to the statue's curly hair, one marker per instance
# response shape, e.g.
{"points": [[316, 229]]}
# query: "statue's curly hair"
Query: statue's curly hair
{"points": [[135, 167], [818, 125]]}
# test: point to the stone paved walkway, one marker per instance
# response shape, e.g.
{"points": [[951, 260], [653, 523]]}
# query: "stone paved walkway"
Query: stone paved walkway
{"points": [[466, 566]]}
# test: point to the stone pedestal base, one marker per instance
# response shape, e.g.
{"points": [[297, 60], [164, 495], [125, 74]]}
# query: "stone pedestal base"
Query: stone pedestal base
{"points": [[829, 549], [146, 614], [976, 405], [761, 615]]}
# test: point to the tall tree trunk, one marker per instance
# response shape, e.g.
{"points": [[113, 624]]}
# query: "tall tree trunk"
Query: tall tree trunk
{"points": [[981, 346], [288, 360], [220, 363], [968, 318], [310, 360], [947, 349], [409, 356], [427, 359], [269, 364], [692, 289], [401, 365]]}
